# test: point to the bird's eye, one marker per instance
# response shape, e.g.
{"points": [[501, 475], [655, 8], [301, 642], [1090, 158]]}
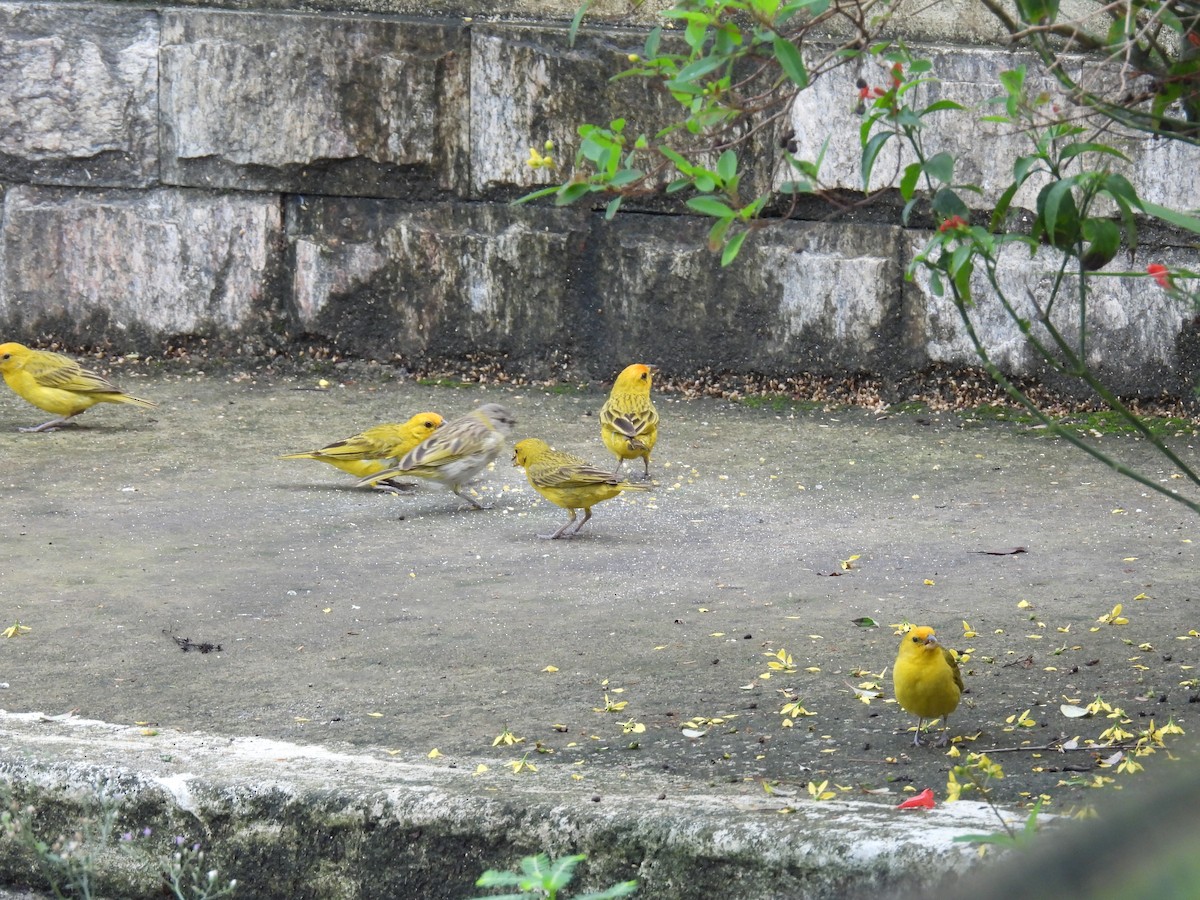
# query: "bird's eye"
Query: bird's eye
{"points": [[916, 640], [428, 424], [6, 356]]}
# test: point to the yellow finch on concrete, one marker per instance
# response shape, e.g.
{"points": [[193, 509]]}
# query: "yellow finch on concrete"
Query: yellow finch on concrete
{"points": [[57, 384], [376, 448], [456, 452], [926, 678], [628, 419], [568, 481]]}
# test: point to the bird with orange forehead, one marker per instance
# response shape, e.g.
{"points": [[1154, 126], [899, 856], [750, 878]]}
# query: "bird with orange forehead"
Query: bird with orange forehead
{"points": [[628, 419], [376, 448], [926, 679], [57, 384]]}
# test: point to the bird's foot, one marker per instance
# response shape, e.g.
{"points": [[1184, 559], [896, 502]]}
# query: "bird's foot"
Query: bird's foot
{"points": [[45, 426], [391, 486]]}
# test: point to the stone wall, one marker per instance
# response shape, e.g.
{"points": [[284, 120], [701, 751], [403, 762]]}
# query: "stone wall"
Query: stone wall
{"points": [[267, 178]]}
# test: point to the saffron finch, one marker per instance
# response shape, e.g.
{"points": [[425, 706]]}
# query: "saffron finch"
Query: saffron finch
{"points": [[376, 448], [57, 384], [628, 419], [568, 481], [457, 452], [926, 678]]}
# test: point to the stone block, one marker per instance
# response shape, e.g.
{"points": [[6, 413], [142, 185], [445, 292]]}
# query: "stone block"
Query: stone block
{"points": [[1135, 339], [315, 104], [800, 298], [1161, 171], [78, 95], [93, 266], [438, 281]]}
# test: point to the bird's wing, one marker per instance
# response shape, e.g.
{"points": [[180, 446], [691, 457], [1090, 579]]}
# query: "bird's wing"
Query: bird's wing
{"points": [[55, 371], [953, 663], [360, 446], [571, 474], [451, 442], [629, 422]]}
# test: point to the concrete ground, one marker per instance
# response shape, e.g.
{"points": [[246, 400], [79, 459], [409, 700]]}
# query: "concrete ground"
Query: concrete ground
{"points": [[406, 693]]}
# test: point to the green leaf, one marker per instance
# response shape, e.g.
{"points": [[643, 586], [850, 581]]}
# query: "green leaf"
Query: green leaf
{"points": [[710, 206], [732, 247], [650, 49], [577, 21], [1001, 211], [947, 203], [908, 181], [569, 193], [870, 154], [939, 105], [791, 61], [1074, 150], [1038, 12], [537, 195], [727, 166], [681, 163], [1103, 241], [1058, 213], [1171, 216], [940, 166], [613, 205], [1119, 188], [935, 284], [698, 69]]}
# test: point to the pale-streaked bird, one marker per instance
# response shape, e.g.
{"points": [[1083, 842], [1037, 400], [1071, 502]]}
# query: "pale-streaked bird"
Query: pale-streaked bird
{"points": [[456, 452]]}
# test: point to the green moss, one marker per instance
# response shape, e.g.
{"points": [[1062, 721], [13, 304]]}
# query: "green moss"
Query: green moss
{"points": [[781, 403], [444, 382]]}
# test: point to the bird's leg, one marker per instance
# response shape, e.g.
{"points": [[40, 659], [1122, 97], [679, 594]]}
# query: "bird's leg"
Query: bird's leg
{"points": [[917, 736], [561, 531], [475, 504], [52, 425], [646, 473], [391, 486], [945, 738], [587, 514], [620, 462]]}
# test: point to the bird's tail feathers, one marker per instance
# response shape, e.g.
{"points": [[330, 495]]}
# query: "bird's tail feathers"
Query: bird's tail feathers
{"points": [[136, 401]]}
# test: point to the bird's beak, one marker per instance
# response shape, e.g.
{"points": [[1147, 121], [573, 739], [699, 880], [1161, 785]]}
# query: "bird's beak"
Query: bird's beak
{"points": [[931, 641]]}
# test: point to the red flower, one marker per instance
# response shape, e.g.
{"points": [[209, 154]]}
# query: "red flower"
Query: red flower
{"points": [[864, 93], [923, 800], [897, 74], [1159, 273], [953, 224], [879, 92]]}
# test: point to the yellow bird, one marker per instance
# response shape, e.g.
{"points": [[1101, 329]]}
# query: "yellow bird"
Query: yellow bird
{"points": [[628, 419], [376, 448], [457, 452], [926, 678], [568, 481], [57, 384]]}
